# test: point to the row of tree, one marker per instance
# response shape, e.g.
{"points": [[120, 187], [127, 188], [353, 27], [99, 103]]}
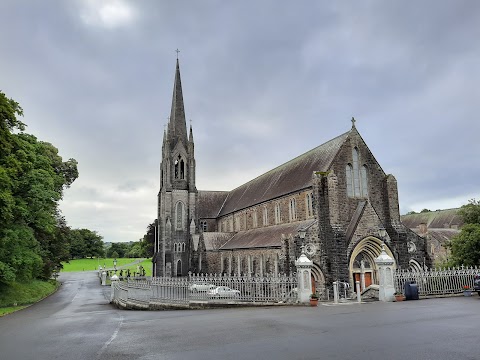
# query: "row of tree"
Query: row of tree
{"points": [[34, 236], [465, 247], [142, 248]]}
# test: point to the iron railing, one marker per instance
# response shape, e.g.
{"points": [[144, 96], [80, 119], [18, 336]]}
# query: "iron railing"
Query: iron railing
{"points": [[202, 288], [437, 281]]}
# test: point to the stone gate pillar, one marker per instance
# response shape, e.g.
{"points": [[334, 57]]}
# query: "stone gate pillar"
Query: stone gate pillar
{"points": [[304, 274], [385, 276]]}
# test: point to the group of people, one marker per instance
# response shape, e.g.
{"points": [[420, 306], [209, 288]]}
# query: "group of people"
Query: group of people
{"points": [[140, 272]]}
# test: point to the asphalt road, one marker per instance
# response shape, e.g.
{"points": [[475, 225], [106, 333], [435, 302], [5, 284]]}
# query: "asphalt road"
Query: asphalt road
{"points": [[79, 323]]}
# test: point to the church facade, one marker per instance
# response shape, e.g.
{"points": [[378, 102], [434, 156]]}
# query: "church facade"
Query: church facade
{"points": [[334, 203]]}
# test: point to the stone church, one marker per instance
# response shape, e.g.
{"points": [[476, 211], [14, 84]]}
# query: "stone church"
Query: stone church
{"points": [[335, 203]]}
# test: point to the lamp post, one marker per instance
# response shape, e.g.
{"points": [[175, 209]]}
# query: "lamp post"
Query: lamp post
{"points": [[382, 232]]}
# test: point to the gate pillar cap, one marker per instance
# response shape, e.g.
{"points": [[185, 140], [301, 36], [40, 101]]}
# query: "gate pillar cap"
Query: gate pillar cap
{"points": [[384, 258], [303, 260]]}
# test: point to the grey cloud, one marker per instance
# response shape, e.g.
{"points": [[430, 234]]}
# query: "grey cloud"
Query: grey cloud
{"points": [[263, 82]]}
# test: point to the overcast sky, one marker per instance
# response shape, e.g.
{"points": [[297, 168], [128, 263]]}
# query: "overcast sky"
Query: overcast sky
{"points": [[263, 82]]}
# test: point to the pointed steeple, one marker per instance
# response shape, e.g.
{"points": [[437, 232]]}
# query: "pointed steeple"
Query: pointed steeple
{"points": [[177, 128], [190, 138]]}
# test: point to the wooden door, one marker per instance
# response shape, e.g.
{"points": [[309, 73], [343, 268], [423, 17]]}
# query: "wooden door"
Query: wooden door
{"points": [[368, 279]]}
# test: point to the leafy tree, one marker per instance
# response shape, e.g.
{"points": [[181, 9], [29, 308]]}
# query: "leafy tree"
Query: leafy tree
{"points": [[119, 249], [32, 180], [93, 243], [425, 211], [148, 241], [470, 213], [136, 250], [465, 247]]}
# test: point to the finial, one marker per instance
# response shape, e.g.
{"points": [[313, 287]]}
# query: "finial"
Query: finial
{"points": [[190, 122], [353, 121], [177, 51], [302, 249]]}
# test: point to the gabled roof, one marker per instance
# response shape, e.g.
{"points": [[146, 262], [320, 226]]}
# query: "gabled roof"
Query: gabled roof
{"points": [[270, 236], [290, 177], [210, 203]]}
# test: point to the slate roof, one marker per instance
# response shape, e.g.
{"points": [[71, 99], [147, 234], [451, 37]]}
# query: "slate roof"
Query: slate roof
{"points": [[215, 240], [210, 203], [290, 177], [270, 236], [441, 219]]}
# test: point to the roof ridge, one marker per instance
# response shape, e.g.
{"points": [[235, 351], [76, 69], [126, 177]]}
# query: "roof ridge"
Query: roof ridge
{"points": [[292, 160]]}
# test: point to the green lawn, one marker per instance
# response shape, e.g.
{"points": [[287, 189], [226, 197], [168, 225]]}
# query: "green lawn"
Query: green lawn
{"points": [[16, 296], [94, 263]]}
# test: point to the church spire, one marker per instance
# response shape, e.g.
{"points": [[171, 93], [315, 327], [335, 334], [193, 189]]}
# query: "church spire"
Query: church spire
{"points": [[190, 137], [177, 128]]}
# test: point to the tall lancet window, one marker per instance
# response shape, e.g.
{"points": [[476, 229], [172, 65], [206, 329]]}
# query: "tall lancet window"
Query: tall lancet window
{"points": [[356, 173], [356, 177], [265, 216], [349, 176], [293, 209], [179, 216], [364, 178]]}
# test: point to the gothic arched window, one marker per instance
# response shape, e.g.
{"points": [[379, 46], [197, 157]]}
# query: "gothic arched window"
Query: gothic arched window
{"points": [[278, 217], [356, 173], [179, 168], [293, 209], [364, 179], [179, 216], [356, 177], [349, 176], [265, 216], [254, 218]]}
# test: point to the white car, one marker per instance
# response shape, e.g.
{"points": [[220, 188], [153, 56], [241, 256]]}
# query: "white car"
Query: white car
{"points": [[224, 292], [201, 287]]}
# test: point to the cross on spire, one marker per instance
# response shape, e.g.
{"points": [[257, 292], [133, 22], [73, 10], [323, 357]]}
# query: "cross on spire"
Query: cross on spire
{"points": [[177, 51], [353, 121]]}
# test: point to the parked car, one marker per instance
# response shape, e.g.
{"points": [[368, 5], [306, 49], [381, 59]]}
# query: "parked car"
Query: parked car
{"points": [[476, 283], [201, 287], [224, 292]]}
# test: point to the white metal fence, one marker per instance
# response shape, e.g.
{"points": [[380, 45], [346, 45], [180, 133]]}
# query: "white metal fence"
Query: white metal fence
{"points": [[205, 288], [437, 281]]}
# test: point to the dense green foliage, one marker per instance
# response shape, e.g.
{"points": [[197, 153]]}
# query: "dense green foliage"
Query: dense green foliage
{"points": [[465, 247], [33, 234], [17, 294], [85, 243], [138, 249]]}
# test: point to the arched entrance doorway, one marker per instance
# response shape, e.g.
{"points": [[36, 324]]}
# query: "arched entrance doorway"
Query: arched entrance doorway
{"points": [[317, 278], [179, 268], [362, 266]]}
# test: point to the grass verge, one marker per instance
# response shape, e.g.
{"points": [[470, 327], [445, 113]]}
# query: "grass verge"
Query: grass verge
{"points": [[93, 264], [16, 296]]}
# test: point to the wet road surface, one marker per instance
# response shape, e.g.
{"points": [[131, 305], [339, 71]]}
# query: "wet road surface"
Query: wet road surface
{"points": [[79, 323]]}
